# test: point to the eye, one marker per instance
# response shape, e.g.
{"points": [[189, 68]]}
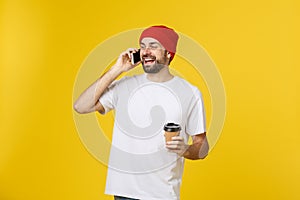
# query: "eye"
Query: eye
{"points": [[153, 47]]}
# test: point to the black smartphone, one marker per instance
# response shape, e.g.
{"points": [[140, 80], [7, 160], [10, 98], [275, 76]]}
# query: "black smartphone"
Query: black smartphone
{"points": [[135, 57]]}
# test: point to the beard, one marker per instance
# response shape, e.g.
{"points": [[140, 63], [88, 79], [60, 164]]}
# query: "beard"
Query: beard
{"points": [[152, 69], [156, 66]]}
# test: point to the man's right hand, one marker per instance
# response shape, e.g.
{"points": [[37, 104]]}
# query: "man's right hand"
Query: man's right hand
{"points": [[124, 61]]}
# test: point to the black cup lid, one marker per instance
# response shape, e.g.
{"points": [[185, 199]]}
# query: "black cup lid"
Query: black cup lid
{"points": [[172, 127]]}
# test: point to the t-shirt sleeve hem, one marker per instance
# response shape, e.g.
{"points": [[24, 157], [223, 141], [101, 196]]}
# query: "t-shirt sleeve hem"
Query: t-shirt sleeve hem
{"points": [[106, 109], [197, 133]]}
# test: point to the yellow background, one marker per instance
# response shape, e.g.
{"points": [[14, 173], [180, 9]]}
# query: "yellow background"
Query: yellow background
{"points": [[254, 44]]}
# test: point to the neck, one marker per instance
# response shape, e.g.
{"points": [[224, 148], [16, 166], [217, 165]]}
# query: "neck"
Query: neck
{"points": [[162, 76]]}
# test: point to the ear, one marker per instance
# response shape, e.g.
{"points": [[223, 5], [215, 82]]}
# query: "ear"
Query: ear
{"points": [[168, 55]]}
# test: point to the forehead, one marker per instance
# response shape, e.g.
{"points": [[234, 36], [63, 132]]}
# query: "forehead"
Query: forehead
{"points": [[149, 40]]}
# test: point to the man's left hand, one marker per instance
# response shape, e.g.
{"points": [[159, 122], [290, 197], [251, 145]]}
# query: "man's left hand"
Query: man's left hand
{"points": [[177, 145]]}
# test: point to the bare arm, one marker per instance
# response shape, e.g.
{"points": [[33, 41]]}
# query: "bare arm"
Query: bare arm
{"points": [[197, 150], [88, 101]]}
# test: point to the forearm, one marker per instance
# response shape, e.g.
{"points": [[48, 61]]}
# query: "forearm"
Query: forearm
{"points": [[87, 101], [197, 150]]}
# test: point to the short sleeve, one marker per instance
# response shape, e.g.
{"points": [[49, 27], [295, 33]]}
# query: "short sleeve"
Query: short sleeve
{"points": [[108, 99], [196, 122]]}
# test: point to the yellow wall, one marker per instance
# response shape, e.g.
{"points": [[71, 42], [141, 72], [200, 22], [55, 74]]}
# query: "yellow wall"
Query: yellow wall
{"points": [[254, 44]]}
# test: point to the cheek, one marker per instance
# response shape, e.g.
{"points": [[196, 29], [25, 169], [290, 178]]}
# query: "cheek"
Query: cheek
{"points": [[161, 56]]}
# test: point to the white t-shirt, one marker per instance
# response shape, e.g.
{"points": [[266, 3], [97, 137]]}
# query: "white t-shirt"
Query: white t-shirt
{"points": [[139, 165]]}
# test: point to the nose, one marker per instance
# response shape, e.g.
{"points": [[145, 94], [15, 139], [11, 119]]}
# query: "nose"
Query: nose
{"points": [[146, 51]]}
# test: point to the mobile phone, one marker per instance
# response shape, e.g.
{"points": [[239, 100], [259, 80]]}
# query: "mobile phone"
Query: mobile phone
{"points": [[135, 57]]}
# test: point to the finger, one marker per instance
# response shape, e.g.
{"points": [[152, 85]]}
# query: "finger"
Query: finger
{"points": [[130, 51], [129, 55], [177, 138], [174, 151], [125, 54], [174, 142], [173, 147], [136, 64]]}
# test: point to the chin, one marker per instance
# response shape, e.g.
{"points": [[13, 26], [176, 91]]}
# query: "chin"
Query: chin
{"points": [[153, 68]]}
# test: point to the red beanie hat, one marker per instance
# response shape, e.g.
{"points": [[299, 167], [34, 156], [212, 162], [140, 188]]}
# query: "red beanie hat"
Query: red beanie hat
{"points": [[165, 35]]}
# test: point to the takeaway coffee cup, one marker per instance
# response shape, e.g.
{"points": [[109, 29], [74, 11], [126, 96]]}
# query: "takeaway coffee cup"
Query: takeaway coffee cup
{"points": [[171, 130]]}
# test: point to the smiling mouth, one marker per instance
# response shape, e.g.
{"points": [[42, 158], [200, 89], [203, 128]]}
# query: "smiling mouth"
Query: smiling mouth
{"points": [[149, 61]]}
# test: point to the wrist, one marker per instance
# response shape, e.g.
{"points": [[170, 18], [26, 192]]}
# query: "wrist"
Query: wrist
{"points": [[116, 70], [186, 153]]}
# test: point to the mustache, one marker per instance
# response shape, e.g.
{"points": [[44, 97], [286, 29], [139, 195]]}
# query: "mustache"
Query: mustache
{"points": [[148, 56]]}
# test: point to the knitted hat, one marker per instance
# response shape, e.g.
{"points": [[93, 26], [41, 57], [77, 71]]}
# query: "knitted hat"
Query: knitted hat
{"points": [[165, 35]]}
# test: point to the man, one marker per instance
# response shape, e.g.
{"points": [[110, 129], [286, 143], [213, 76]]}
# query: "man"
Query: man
{"points": [[142, 165]]}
